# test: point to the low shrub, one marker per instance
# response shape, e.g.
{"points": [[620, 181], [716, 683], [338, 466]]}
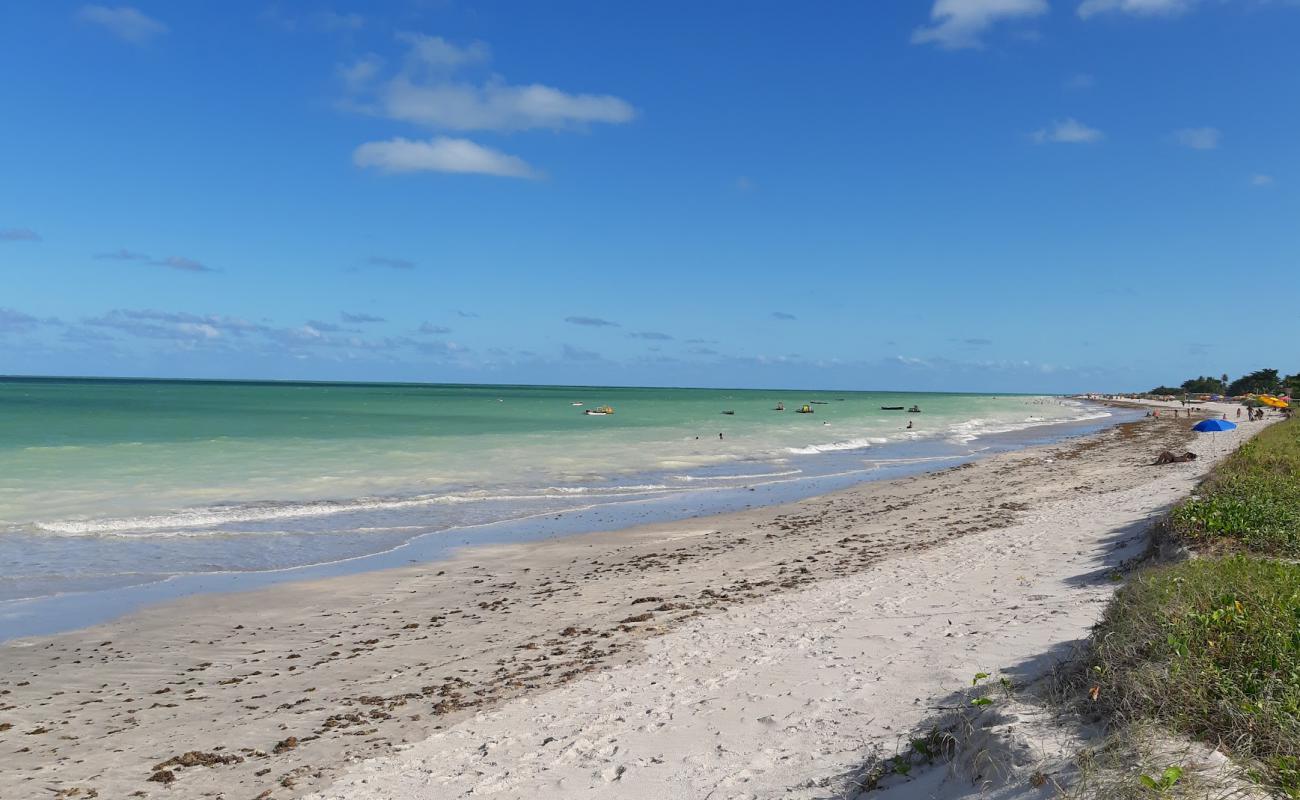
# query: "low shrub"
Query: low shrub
{"points": [[1252, 501], [1211, 648]]}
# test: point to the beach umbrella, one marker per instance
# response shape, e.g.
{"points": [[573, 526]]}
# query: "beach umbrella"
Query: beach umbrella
{"points": [[1207, 425]]}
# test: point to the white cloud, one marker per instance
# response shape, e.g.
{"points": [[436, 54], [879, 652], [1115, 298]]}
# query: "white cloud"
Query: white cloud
{"points": [[126, 23], [1261, 179], [1150, 8], [1067, 131], [1198, 138], [358, 75], [426, 91], [435, 51], [440, 154], [961, 23], [496, 106]]}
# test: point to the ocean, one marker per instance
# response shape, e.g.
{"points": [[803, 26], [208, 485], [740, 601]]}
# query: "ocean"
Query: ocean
{"points": [[109, 484]]}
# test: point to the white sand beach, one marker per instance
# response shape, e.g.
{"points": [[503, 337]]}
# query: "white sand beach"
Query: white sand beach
{"points": [[758, 654]]}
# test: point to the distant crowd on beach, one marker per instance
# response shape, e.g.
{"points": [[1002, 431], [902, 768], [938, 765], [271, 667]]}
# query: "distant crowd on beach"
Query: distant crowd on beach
{"points": [[1252, 414]]}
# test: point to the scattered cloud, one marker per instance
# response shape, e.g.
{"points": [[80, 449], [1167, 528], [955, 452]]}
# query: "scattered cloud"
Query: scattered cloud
{"points": [[328, 327], [183, 264], [358, 75], [13, 321], [957, 24], [1080, 81], [783, 316], [179, 263], [429, 327], [440, 154], [392, 263], [701, 341], [175, 325], [234, 335], [1148, 8], [1067, 131], [359, 317], [571, 353], [466, 314], [1198, 138], [427, 91], [126, 23], [591, 322], [440, 348], [654, 336], [1261, 179], [436, 52], [978, 342], [122, 254], [702, 351], [327, 21], [910, 361], [19, 235]]}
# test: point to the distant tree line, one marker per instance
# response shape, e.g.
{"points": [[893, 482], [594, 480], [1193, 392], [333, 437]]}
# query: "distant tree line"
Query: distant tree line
{"points": [[1261, 381]]}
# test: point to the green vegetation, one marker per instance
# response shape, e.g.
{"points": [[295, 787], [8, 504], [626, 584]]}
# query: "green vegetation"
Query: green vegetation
{"points": [[1253, 498], [1261, 381], [1204, 385], [1257, 382], [1166, 782], [1211, 648]]}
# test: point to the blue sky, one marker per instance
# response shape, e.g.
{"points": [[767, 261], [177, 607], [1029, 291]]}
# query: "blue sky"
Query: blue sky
{"points": [[999, 195]]}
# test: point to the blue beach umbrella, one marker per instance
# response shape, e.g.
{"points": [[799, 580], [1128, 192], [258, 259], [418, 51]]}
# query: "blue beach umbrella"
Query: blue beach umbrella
{"points": [[1206, 425]]}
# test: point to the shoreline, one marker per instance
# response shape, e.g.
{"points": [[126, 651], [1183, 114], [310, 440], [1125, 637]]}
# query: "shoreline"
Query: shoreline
{"points": [[348, 667], [64, 612]]}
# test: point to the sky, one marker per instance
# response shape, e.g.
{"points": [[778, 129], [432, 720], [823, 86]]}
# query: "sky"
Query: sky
{"points": [[978, 195]]}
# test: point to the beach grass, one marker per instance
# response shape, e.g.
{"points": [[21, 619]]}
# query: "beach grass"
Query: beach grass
{"points": [[1210, 648], [1252, 501]]}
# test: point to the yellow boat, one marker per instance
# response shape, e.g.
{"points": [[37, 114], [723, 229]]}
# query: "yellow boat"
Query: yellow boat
{"points": [[805, 410], [599, 411]]}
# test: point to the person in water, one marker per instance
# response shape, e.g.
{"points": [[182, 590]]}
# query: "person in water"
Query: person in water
{"points": [[909, 426], [719, 437]]}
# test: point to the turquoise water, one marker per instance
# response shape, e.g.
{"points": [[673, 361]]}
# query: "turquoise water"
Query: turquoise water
{"points": [[112, 483]]}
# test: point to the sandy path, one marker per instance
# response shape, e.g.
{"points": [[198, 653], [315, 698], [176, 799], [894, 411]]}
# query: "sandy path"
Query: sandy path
{"points": [[287, 685]]}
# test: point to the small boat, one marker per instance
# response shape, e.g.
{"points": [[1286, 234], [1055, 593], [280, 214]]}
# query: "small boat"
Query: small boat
{"points": [[891, 408], [729, 413], [575, 404], [819, 402], [780, 406], [599, 411], [804, 410], [914, 410]]}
